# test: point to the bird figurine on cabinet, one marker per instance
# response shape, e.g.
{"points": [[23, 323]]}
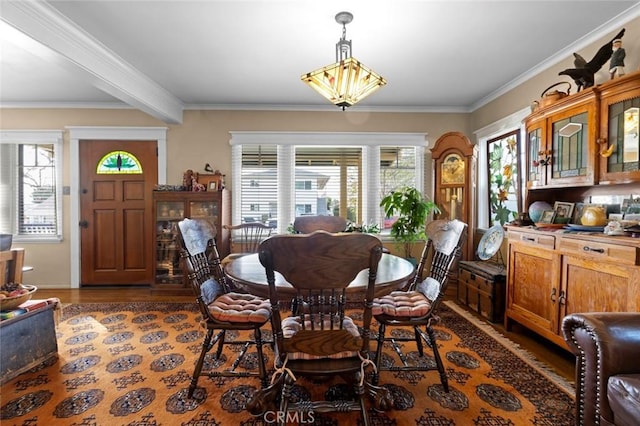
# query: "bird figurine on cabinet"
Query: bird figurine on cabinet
{"points": [[583, 73], [606, 152]]}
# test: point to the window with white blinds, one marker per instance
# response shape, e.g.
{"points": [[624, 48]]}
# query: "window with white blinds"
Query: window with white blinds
{"points": [[30, 185], [279, 176], [259, 184]]}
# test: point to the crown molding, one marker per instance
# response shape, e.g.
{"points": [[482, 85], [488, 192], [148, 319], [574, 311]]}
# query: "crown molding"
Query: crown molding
{"points": [[86, 57]]}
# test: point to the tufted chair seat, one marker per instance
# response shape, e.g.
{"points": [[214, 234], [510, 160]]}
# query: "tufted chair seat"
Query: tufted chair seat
{"points": [[416, 303], [293, 325], [240, 307], [222, 309]]}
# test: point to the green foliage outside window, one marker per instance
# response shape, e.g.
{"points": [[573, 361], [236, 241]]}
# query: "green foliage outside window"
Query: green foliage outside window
{"points": [[503, 178]]}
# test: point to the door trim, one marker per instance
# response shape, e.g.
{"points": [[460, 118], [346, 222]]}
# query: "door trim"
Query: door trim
{"points": [[76, 136]]}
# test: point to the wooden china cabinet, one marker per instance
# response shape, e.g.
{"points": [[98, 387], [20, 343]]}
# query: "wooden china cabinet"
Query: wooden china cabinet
{"points": [[561, 143], [583, 145], [169, 208]]}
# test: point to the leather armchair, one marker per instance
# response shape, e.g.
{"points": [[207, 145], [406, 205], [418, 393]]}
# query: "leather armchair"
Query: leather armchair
{"points": [[607, 349]]}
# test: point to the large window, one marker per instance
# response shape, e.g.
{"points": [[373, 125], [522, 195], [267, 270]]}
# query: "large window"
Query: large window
{"points": [[30, 185], [345, 174]]}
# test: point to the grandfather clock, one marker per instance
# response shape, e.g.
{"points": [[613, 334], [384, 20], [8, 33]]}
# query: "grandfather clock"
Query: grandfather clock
{"points": [[454, 165]]}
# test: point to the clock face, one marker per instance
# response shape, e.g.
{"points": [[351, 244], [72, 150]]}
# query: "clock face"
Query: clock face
{"points": [[452, 170]]}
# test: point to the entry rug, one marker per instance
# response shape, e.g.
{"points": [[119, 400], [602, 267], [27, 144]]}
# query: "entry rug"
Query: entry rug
{"points": [[131, 364]]}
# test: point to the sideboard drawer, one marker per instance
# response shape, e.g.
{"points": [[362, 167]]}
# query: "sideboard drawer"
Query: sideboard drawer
{"points": [[627, 255], [546, 241]]}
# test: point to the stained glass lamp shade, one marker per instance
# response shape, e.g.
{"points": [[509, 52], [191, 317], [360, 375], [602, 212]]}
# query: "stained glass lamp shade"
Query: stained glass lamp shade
{"points": [[347, 81]]}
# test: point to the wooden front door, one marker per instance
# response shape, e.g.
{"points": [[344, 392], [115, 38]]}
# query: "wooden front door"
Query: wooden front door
{"points": [[116, 234]]}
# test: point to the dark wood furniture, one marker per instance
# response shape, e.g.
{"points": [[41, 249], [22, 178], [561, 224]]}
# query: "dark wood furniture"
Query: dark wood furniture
{"points": [[222, 310], [607, 373], [245, 238], [308, 224], [317, 339], [418, 305], [481, 287], [583, 145], [169, 207], [247, 273]]}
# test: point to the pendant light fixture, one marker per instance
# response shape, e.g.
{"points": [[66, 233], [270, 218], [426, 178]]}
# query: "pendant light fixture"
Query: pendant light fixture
{"points": [[347, 81]]}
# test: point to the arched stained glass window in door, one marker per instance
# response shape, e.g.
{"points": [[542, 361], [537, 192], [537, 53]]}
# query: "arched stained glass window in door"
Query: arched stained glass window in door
{"points": [[119, 162]]}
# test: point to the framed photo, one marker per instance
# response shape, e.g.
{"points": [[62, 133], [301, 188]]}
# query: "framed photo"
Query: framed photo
{"points": [[563, 210], [213, 186], [579, 209], [548, 216]]}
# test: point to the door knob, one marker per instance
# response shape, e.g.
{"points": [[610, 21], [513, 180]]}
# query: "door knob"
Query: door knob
{"points": [[84, 224]]}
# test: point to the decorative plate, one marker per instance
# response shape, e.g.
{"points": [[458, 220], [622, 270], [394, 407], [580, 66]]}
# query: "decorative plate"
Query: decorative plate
{"points": [[550, 225], [577, 227], [490, 242]]}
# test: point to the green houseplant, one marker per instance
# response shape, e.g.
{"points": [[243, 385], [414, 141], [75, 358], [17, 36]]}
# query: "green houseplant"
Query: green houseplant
{"points": [[412, 209]]}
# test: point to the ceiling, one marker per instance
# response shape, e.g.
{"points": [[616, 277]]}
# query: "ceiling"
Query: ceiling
{"points": [[167, 56]]}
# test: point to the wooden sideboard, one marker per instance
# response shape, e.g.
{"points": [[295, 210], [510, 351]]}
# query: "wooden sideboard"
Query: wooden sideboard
{"points": [[581, 146], [553, 273]]}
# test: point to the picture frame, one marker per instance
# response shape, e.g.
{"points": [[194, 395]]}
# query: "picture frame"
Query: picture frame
{"points": [[548, 216], [207, 179], [213, 186], [563, 210], [579, 209]]}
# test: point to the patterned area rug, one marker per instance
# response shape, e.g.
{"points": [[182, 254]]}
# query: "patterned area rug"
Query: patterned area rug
{"points": [[131, 363]]}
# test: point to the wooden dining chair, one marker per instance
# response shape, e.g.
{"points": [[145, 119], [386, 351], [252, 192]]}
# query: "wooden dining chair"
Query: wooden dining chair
{"points": [[308, 224], [247, 237], [222, 310], [418, 305], [316, 338]]}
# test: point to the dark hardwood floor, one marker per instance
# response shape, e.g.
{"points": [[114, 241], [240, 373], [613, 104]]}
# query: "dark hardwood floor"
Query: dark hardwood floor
{"points": [[559, 359]]}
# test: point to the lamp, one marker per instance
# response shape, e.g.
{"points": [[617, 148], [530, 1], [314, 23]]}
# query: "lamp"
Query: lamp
{"points": [[347, 81]]}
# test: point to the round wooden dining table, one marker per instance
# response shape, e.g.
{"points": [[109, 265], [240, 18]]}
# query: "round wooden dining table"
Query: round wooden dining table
{"points": [[248, 273]]}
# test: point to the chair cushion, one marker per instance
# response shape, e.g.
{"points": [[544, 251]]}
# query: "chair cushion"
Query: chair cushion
{"points": [[623, 392], [291, 325], [403, 304], [430, 287], [240, 307]]}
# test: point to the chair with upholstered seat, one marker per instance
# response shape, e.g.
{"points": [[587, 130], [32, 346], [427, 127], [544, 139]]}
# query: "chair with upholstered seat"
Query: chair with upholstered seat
{"points": [[309, 224], [318, 339], [222, 310], [417, 306]]}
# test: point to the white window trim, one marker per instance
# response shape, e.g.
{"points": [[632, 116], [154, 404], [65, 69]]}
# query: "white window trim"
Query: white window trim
{"points": [[483, 135], [286, 143], [17, 137]]}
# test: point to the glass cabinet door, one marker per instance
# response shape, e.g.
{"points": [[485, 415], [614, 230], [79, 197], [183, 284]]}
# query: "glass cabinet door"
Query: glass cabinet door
{"points": [[204, 210], [538, 158], [570, 142], [168, 269], [623, 151]]}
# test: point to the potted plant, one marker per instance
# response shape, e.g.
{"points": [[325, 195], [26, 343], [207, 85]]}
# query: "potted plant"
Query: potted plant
{"points": [[412, 209]]}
